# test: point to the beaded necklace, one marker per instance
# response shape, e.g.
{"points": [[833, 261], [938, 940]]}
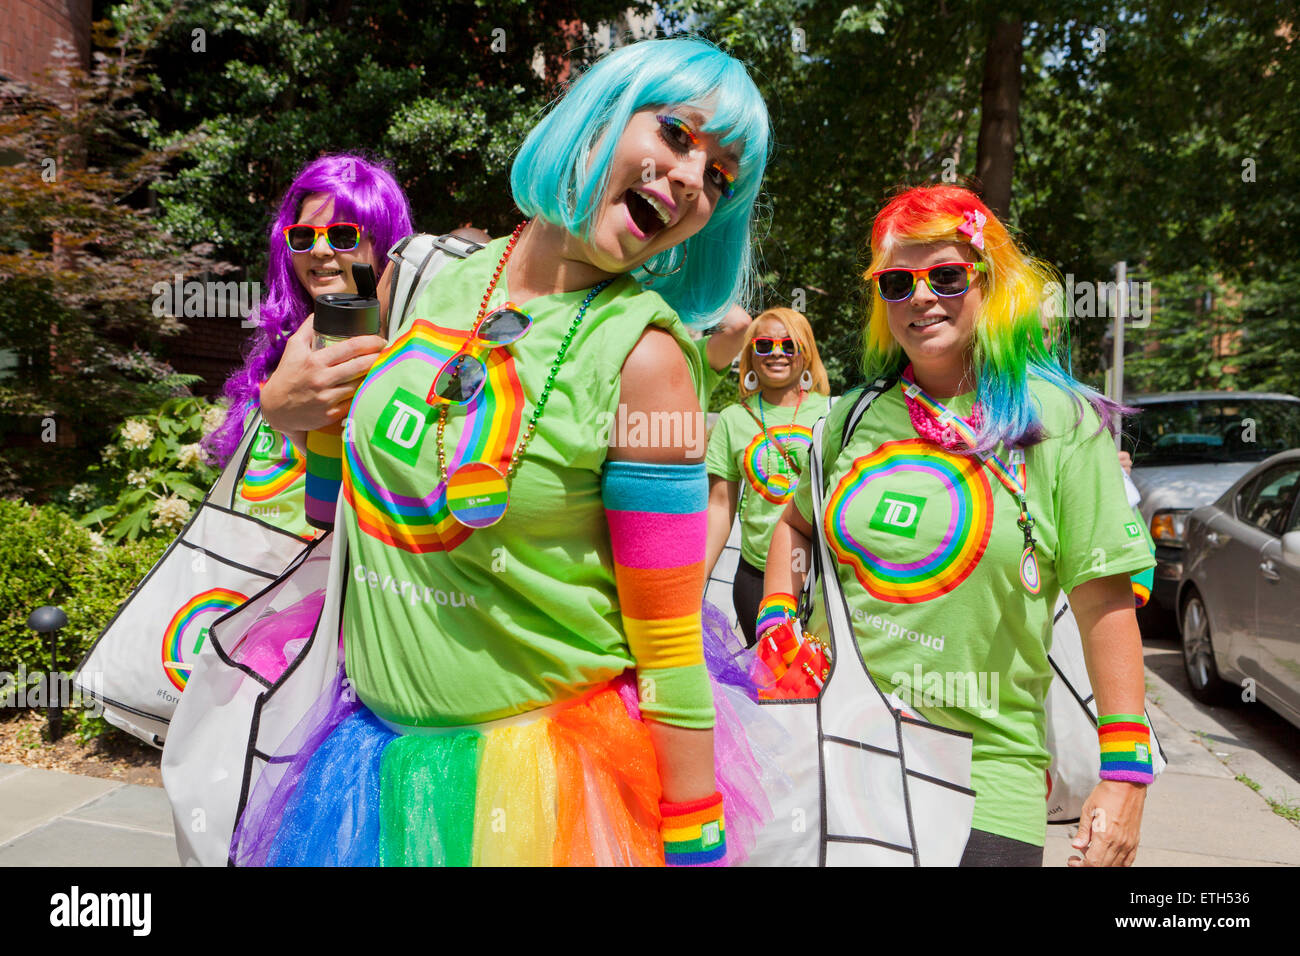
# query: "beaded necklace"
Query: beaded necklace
{"points": [[761, 420], [477, 493]]}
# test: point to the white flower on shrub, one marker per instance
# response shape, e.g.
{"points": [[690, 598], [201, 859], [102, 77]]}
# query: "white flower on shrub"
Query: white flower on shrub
{"points": [[137, 434], [170, 512], [213, 416], [109, 452], [138, 479], [81, 492], [189, 457], [97, 541]]}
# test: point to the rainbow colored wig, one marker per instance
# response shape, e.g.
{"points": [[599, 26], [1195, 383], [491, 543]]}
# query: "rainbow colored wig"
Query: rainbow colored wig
{"points": [[562, 170], [1017, 309], [365, 193]]}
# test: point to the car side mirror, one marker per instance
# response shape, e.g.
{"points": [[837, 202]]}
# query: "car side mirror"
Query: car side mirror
{"points": [[1291, 548]]}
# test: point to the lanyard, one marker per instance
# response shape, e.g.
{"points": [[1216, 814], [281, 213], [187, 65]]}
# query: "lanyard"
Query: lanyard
{"points": [[762, 423], [1015, 477]]}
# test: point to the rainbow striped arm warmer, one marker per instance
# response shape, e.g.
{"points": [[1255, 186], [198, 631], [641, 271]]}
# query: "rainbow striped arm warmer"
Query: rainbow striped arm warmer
{"points": [[694, 833], [658, 527], [1125, 748], [776, 608]]}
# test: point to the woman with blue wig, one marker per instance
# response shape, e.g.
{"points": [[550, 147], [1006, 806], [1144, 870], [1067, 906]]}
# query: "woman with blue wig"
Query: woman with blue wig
{"points": [[525, 509]]}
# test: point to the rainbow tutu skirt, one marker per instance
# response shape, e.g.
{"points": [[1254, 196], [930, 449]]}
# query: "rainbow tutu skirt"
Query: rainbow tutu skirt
{"points": [[572, 784]]}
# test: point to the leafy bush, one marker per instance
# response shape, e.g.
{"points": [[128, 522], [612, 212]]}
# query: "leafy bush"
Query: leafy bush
{"points": [[151, 477], [46, 558]]}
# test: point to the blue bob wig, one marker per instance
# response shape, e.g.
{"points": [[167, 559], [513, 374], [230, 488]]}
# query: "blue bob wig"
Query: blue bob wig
{"points": [[562, 170]]}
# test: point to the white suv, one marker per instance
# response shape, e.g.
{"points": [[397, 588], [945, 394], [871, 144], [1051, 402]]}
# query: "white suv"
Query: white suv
{"points": [[1188, 448]]}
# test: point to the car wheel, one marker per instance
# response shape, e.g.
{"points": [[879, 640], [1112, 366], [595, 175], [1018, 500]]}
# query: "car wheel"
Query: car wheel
{"points": [[1198, 654]]}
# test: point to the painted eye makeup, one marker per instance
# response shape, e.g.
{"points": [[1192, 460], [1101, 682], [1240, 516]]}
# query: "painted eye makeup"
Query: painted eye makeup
{"points": [[680, 136], [676, 132]]}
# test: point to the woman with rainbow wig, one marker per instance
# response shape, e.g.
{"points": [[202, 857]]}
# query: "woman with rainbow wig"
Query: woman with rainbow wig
{"points": [[981, 483], [360, 211], [523, 677]]}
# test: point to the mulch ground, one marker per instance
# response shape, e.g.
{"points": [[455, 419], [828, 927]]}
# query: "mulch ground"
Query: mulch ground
{"points": [[24, 739]]}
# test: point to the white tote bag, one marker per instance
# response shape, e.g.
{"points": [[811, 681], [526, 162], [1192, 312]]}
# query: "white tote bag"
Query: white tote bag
{"points": [[144, 659], [1072, 724], [871, 786], [233, 716]]}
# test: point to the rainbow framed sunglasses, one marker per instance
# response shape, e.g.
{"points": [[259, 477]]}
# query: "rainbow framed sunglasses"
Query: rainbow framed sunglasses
{"points": [[719, 175], [945, 279], [341, 236], [462, 376], [766, 345]]}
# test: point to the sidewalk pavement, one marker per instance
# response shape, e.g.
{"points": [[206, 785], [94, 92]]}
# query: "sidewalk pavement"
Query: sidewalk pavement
{"points": [[60, 819], [1196, 814]]}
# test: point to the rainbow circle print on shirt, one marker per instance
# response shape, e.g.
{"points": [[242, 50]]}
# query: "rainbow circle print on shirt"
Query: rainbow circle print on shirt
{"points": [[883, 498], [407, 425], [188, 629], [273, 466], [765, 469]]}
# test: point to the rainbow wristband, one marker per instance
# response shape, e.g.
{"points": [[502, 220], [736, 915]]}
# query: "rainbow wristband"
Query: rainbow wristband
{"points": [[693, 832], [776, 609], [1125, 748]]}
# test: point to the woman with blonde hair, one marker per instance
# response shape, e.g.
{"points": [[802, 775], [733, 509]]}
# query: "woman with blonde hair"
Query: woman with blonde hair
{"points": [[763, 440]]}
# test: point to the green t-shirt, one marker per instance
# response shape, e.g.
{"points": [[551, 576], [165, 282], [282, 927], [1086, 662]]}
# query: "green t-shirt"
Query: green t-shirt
{"points": [[274, 483], [739, 451], [444, 626], [928, 554], [712, 377]]}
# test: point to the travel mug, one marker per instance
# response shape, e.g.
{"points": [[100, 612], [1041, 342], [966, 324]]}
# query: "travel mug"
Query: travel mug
{"points": [[339, 316]]}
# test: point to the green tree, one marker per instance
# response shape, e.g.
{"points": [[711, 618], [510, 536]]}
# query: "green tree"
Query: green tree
{"points": [[446, 92], [79, 254]]}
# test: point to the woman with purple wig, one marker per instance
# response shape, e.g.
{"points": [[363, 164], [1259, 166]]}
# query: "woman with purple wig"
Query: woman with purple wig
{"points": [[339, 210]]}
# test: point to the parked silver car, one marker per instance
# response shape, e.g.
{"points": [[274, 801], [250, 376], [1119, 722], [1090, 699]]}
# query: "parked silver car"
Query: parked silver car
{"points": [[1188, 448], [1239, 597]]}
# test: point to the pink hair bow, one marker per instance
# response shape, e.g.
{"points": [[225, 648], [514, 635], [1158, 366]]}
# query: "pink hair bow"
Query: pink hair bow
{"points": [[973, 226]]}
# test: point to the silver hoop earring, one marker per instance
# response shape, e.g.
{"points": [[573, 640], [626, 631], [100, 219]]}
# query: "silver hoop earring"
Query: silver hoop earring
{"points": [[805, 380], [662, 275], [751, 381]]}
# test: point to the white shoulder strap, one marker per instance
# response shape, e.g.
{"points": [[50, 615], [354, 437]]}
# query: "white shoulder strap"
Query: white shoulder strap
{"points": [[223, 492], [418, 259]]}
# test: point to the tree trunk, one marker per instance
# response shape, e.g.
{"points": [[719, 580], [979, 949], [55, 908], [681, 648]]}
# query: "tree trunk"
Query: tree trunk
{"points": [[1000, 114]]}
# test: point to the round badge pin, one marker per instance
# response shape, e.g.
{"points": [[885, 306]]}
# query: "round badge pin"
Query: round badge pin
{"points": [[778, 484], [1029, 572], [477, 494]]}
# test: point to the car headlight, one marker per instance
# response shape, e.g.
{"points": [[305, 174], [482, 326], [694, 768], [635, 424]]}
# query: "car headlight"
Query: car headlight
{"points": [[1168, 526]]}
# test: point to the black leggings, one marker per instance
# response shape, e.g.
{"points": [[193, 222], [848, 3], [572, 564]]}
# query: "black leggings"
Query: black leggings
{"points": [[746, 595], [989, 849]]}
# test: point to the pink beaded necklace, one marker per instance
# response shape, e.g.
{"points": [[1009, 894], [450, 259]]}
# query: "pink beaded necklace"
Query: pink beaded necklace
{"points": [[928, 427]]}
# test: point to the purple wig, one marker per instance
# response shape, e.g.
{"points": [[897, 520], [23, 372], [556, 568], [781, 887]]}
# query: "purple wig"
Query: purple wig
{"points": [[363, 192]]}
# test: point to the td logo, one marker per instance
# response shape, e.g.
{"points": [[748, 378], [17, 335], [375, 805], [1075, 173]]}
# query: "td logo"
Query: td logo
{"points": [[402, 426], [898, 514], [264, 442]]}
